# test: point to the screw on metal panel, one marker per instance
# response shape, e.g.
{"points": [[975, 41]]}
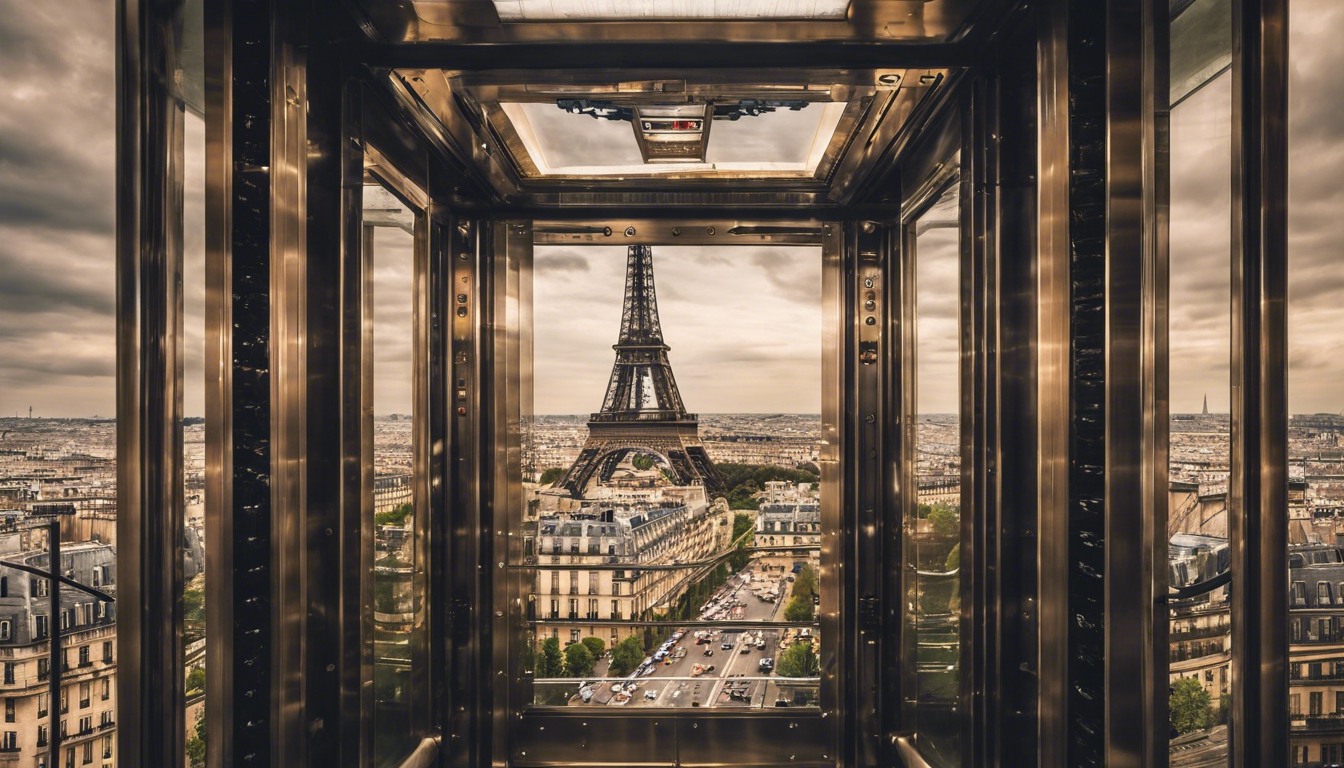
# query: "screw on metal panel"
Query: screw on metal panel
{"points": [[870, 418], [676, 231], [870, 321], [869, 227], [709, 230], [629, 231], [606, 231]]}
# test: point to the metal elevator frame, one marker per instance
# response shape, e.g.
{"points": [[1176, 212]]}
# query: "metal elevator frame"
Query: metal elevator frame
{"points": [[1056, 111]]}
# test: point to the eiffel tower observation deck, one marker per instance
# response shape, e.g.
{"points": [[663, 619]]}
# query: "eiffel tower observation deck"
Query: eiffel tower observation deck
{"points": [[642, 411]]}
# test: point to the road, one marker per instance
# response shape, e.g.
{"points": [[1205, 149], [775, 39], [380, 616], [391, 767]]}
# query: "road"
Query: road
{"points": [[712, 689]]}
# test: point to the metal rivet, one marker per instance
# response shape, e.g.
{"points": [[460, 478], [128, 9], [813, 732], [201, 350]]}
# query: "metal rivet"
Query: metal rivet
{"points": [[709, 230], [676, 231], [870, 321]]}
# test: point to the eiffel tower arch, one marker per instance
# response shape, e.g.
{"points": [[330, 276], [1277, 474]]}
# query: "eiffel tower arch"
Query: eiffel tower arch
{"points": [[642, 411]]}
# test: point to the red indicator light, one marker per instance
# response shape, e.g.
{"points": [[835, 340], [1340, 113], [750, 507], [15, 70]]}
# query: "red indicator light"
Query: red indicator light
{"points": [[685, 125]]}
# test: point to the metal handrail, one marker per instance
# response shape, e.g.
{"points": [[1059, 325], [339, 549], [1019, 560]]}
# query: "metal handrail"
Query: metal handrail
{"points": [[1198, 588]]}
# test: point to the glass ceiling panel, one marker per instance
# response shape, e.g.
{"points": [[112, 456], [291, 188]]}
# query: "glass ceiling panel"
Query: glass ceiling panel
{"points": [[784, 142], [617, 10]]}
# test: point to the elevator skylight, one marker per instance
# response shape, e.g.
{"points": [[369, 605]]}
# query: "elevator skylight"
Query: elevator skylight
{"points": [[784, 142], [623, 10]]}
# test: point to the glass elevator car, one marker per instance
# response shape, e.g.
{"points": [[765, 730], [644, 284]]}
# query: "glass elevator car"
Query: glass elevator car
{"points": [[954, 217]]}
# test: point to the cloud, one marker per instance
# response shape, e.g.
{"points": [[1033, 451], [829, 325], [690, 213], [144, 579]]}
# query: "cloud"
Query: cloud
{"points": [[550, 264]]}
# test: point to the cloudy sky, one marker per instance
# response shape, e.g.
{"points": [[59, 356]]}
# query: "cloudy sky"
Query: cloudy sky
{"points": [[57, 138], [743, 322]]}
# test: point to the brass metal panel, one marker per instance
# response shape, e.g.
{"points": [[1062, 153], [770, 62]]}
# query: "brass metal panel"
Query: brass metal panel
{"points": [[1053, 333], [544, 740], [748, 742], [477, 21]]}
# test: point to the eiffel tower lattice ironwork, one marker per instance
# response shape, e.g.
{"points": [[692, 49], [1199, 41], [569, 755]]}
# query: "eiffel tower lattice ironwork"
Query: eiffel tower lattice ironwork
{"points": [[642, 411]]}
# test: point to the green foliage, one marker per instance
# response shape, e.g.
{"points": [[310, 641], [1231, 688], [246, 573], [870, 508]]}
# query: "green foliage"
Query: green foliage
{"points": [[641, 461], [551, 475], [395, 516], [805, 583], [550, 663], [1190, 706], [196, 681], [810, 468], [626, 656], [595, 646], [196, 742], [745, 480], [799, 609], [579, 660], [742, 525], [945, 520], [953, 559], [193, 604], [798, 660]]}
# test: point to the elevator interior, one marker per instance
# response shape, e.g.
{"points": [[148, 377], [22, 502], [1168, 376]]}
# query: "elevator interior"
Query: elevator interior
{"points": [[1030, 131]]}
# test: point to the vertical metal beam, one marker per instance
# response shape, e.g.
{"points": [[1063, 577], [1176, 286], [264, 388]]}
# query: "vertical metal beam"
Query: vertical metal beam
{"points": [[219, 444], [55, 647], [149, 397], [1054, 331], [1258, 487]]}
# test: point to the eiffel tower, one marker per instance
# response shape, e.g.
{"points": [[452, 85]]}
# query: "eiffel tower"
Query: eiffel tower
{"points": [[642, 411]]}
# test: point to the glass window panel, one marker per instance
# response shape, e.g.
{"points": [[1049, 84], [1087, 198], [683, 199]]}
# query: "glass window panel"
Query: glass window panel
{"points": [[1200, 348], [933, 536], [646, 543], [1315, 371], [389, 240], [58, 434]]}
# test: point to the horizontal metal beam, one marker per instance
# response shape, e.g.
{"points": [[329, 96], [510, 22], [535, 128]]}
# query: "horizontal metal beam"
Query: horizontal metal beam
{"points": [[674, 56], [685, 623]]}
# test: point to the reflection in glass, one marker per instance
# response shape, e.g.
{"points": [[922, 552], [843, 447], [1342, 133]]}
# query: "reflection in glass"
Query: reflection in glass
{"points": [[1316, 369], [934, 536], [643, 512], [1200, 344], [193, 437], [389, 241]]}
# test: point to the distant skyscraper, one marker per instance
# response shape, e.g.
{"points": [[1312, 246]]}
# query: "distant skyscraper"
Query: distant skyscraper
{"points": [[1206, 405]]}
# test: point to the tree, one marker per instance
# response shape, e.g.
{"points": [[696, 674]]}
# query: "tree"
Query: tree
{"points": [[810, 468], [1190, 706], [579, 660], [953, 559], [196, 680], [945, 520], [805, 583], [595, 646], [798, 660], [395, 516], [626, 656], [549, 663], [196, 742], [551, 475], [742, 525], [799, 609], [641, 461]]}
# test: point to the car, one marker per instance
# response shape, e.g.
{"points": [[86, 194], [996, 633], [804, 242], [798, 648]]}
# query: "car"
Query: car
{"points": [[727, 646], [745, 648], [760, 645], [675, 694], [767, 664], [650, 695], [709, 651]]}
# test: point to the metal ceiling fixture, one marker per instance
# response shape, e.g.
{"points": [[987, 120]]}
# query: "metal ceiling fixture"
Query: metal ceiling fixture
{"points": [[675, 133]]}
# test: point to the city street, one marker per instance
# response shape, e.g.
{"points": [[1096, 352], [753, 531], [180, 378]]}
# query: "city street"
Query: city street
{"points": [[675, 684]]}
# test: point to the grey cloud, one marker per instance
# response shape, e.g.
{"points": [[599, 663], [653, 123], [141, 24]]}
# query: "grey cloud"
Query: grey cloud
{"points": [[564, 262]]}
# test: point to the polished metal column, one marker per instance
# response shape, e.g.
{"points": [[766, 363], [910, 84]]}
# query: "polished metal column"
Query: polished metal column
{"points": [[1258, 488], [149, 389]]}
